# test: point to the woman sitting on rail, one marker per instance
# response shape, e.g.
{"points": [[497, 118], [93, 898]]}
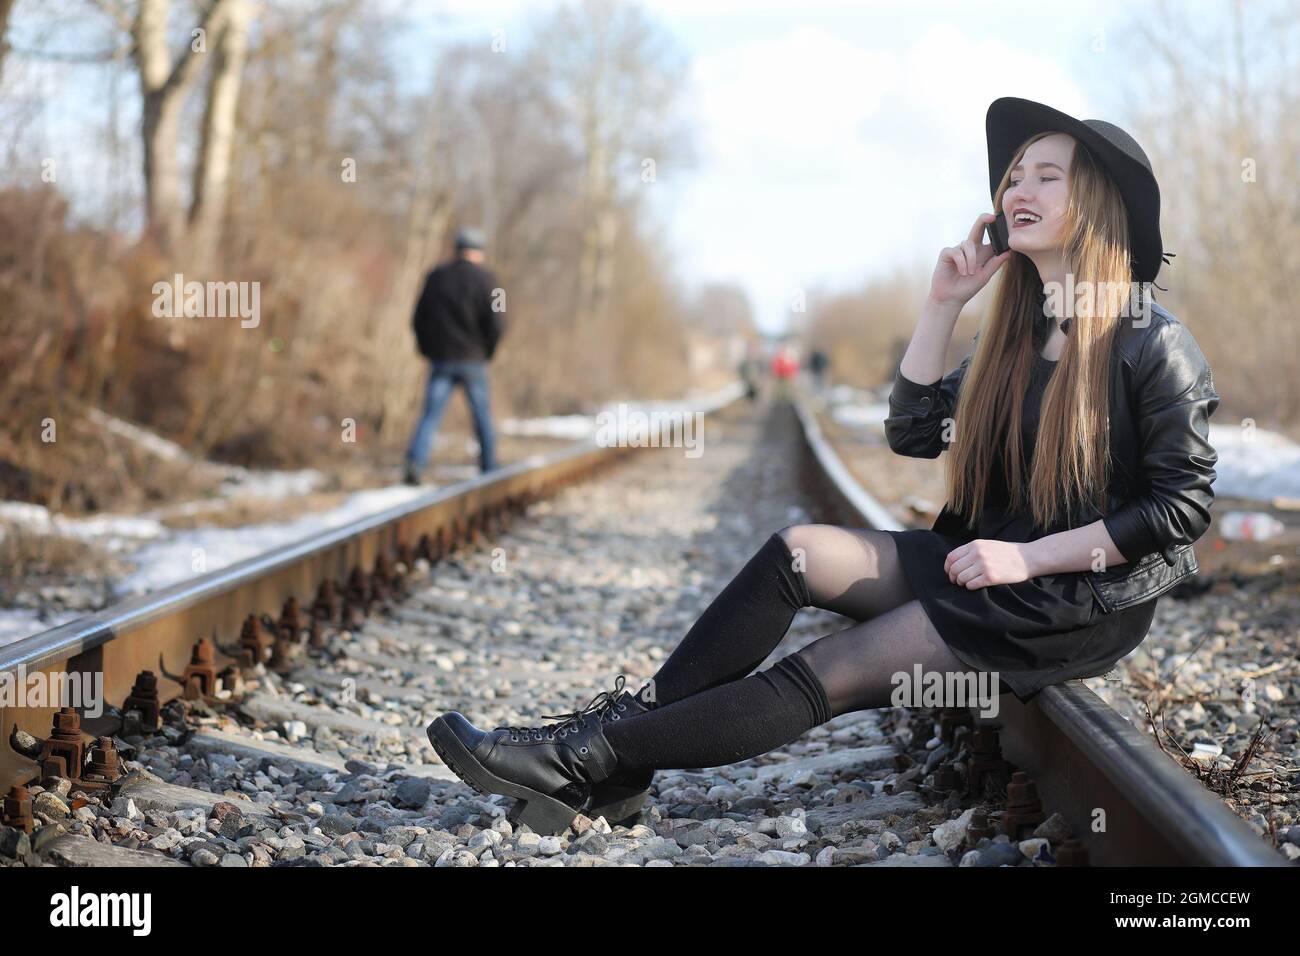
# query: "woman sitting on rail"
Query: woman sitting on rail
{"points": [[1079, 474]]}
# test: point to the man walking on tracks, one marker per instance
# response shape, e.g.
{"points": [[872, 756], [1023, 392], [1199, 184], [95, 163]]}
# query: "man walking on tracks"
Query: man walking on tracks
{"points": [[458, 323]]}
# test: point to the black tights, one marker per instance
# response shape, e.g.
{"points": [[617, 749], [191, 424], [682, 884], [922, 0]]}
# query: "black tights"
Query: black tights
{"points": [[707, 713]]}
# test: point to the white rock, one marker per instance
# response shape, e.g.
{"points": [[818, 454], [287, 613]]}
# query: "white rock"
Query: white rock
{"points": [[948, 836], [1029, 848], [783, 858], [791, 826], [125, 807]]}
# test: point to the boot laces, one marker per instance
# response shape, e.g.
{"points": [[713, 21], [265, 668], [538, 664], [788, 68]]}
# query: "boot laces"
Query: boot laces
{"points": [[603, 704]]}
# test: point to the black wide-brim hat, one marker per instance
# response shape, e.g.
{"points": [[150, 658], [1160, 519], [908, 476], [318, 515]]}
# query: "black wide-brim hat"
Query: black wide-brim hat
{"points": [[1012, 120]]}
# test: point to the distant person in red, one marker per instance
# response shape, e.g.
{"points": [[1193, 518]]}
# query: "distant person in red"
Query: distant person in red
{"points": [[785, 366]]}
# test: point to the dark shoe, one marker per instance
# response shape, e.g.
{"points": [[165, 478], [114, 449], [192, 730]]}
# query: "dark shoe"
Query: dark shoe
{"points": [[550, 772], [410, 476], [621, 797]]}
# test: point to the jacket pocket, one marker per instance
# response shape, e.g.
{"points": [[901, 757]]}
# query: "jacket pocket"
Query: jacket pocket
{"points": [[1142, 580]]}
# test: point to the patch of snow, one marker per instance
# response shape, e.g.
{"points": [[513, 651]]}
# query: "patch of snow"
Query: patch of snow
{"points": [[870, 416], [189, 553], [115, 532], [553, 426], [270, 484], [582, 426], [236, 480], [1257, 463]]}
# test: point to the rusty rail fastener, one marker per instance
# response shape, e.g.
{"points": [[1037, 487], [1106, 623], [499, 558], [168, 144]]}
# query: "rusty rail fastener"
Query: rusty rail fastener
{"points": [[1023, 808], [354, 617], [979, 828], [1072, 852], [357, 591], [328, 602], [945, 778], [105, 766], [290, 625], [144, 699], [18, 810], [985, 758], [383, 571], [64, 751], [200, 676], [254, 643], [380, 593]]}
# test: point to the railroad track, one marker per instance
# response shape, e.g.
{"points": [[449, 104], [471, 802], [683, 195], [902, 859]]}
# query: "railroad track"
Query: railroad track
{"points": [[267, 717]]}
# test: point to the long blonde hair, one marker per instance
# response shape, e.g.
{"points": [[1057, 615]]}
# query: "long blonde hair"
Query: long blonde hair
{"points": [[1071, 457]]}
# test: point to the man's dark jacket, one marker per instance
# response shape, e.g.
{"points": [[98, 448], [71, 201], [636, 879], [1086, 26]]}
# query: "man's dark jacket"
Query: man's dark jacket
{"points": [[454, 317], [1158, 501]]}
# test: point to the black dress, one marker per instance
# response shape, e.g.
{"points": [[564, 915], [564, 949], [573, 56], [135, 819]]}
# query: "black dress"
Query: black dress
{"points": [[1033, 633]]}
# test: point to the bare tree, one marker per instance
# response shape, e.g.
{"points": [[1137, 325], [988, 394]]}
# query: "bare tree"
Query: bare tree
{"points": [[212, 172], [426, 228], [164, 80], [619, 77], [1218, 111]]}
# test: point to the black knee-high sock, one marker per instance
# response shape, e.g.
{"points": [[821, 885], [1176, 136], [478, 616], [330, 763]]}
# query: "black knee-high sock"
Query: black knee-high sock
{"points": [[738, 630], [736, 721]]}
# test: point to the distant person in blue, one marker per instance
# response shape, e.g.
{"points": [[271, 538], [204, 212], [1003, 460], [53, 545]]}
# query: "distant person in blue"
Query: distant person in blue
{"points": [[458, 324]]}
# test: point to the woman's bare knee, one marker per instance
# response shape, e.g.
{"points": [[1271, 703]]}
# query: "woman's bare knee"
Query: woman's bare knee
{"points": [[851, 571], [802, 539], [850, 550], [800, 535]]}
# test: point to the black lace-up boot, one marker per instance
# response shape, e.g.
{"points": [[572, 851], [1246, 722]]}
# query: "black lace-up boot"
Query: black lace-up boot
{"points": [[621, 797], [549, 771]]}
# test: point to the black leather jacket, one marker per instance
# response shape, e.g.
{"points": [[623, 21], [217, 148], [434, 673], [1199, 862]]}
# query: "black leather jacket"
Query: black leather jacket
{"points": [[1158, 500]]}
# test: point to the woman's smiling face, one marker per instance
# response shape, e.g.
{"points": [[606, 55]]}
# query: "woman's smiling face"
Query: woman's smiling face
{"points": [[1039, 187]]}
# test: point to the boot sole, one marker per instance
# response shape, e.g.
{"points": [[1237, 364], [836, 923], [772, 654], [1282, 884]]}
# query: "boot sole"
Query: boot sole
{"points": [[620, 810], [543, 813]]}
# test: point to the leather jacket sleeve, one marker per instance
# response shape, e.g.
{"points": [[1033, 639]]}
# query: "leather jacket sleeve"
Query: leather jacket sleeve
{"points": [[1173, 400], [918, 413]]}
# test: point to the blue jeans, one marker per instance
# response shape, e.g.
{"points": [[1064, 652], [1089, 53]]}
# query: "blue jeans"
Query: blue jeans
{"points": [[443, 377]]}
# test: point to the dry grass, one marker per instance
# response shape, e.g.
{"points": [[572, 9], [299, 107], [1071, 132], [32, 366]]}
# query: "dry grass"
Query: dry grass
{"points": [[26, 557]]}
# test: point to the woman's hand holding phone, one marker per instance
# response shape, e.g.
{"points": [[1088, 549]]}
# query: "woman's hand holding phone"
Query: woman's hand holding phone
{"points": [[965, 268]]}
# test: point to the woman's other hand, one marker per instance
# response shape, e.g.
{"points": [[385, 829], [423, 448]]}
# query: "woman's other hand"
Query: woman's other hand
{"points": [[985, 561]]}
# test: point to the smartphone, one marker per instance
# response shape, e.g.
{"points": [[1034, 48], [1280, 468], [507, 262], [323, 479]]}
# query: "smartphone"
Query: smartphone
{"points": [[998, 235]]}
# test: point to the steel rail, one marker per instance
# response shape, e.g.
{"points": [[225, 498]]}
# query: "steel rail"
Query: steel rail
{"points": [[158, 630], [1130, 803]]}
